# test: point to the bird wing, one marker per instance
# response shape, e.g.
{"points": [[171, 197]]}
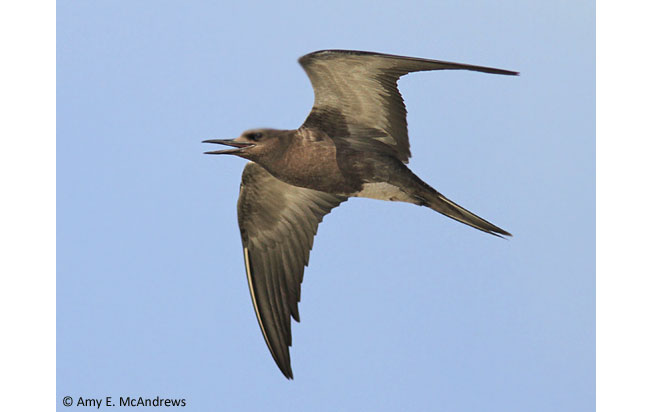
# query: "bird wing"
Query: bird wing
{"points": [[356, 94], [278, 223]]}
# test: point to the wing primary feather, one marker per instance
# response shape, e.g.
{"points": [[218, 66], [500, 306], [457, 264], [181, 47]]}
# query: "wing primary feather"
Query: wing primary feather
{"points": [[252, 292]]}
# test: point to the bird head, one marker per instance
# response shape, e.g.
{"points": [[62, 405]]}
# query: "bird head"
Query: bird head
{"points": [[252, 144]]}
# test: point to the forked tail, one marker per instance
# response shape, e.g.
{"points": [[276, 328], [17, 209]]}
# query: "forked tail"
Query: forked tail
{"points": [[438, 202]]}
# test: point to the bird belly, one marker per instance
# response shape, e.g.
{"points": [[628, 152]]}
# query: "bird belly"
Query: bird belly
{"points": [[383, 191]]}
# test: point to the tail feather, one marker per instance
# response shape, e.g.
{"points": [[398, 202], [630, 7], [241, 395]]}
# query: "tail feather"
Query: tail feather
{"points": [[449, 208]]}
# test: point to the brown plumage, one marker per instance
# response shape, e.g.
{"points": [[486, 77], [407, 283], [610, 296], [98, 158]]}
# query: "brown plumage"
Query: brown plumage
{"points": [[354, 143]]}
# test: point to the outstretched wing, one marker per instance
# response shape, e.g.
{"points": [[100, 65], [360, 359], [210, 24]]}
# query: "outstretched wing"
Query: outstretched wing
{"points": [[356, 95], [278, 222]]}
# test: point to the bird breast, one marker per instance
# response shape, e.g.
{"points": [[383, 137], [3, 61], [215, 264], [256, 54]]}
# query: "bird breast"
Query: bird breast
{"points": [[310, 161]]}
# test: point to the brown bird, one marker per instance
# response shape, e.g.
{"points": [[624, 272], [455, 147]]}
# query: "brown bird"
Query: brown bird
{"points": [[354, 143]]}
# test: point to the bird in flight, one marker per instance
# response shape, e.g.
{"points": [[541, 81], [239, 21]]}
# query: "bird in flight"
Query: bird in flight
{"points": [[354, 143]]}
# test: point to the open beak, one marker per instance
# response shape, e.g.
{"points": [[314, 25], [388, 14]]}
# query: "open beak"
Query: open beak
{"points": [[239, 147]]}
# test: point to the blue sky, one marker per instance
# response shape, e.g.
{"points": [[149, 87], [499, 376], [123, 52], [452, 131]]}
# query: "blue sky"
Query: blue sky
{"points": [[401, 308]]}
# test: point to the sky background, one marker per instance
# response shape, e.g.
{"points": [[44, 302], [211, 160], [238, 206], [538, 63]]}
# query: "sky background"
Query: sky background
{"points": [[402, 309]]}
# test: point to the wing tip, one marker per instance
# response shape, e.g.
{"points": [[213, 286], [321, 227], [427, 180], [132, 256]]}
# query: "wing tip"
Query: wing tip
{"points": [[507, 72], [287, 372], [503, 234]]}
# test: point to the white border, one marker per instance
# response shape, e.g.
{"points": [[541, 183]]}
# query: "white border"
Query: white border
{"points": [[28, 205], [624, 313]]}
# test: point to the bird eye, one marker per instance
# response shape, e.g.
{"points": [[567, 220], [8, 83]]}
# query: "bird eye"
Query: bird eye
{"points": [[255, 136]]}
